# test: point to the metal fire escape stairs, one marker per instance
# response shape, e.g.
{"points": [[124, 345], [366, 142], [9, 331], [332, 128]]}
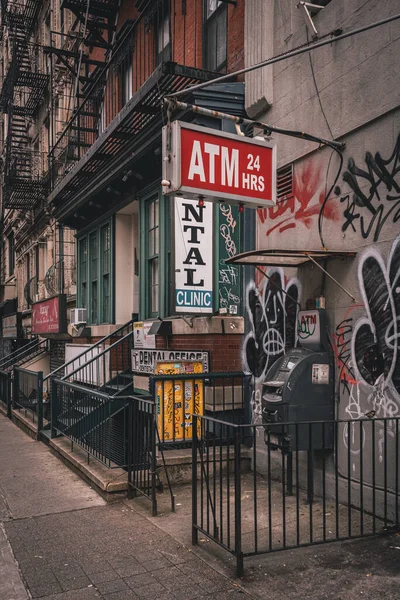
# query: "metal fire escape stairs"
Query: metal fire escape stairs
{"points": [[23, 90], [94, 27]]}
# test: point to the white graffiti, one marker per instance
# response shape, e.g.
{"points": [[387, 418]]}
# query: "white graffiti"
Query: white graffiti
{"points": [[272, 315], [230, 245], [256, 407], [226, 210], [228, 274]]}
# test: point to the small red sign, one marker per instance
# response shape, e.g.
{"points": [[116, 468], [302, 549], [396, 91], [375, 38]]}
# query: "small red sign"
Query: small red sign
{"points": [[219, 166], [49, 316]]}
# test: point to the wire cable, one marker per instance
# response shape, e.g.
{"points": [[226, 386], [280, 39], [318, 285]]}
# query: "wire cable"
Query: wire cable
{"points": [[317, 90], [333, 37]]}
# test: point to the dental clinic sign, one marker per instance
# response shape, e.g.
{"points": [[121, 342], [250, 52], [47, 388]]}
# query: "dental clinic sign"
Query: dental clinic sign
{"points": [[199, 162], [193, 257]]}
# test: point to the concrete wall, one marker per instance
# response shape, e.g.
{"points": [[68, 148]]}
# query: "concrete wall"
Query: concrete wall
{"points": [[41, 364], [358, 81]]}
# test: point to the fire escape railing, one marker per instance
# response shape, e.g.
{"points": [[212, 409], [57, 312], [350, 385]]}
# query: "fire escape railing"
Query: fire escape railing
{"points": [[23, 90]]}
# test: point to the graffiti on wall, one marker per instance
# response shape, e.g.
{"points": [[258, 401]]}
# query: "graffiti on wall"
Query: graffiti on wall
{"points": [[272, 313], [375, 340], [374, 197], [303, 205], [367, 349], [229, 280], [369, 201]]}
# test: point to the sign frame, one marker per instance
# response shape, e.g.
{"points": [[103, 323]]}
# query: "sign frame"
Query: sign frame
{"points": [[171, 136], [62, 316], [193, 310], [168, 355]]}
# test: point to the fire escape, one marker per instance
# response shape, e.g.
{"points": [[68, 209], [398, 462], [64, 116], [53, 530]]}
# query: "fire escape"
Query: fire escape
{"points": [[22, 92], [82, 56]]}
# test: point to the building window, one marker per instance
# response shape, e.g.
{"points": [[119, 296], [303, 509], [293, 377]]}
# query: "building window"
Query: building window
{"points": [[127, 79], [105, 271], [163, 37], [83, 255], [215, 39], [93, 276], [11, 255], [153, 227], [95, 251]]}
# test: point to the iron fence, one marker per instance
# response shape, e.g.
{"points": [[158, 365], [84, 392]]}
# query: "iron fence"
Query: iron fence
{"points": [[220, 395], [94, 420], [143, 448], [5, 391], [280, 500], [28, 394], [120, 432]]}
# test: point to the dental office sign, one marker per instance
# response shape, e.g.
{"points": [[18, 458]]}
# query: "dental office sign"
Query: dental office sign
{"points": [[199, 162], [193, 257]]}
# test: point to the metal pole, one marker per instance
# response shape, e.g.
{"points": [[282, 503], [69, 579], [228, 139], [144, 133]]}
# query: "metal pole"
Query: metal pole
{"points": [[39, 404], [171, 102], [238, 506], [195, 536], [330, 277]]}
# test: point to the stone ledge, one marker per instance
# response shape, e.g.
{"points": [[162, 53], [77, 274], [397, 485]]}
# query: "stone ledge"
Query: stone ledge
{"points": [[108, 481]]}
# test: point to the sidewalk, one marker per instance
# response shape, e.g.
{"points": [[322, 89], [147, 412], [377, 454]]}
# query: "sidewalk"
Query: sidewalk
{"points": [[68, 544], [63, 542]]}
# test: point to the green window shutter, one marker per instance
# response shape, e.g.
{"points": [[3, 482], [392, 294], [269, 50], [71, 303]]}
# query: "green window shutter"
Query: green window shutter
{"points": [[155, 223]]}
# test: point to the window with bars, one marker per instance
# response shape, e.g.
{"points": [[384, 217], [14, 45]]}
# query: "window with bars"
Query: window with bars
{"points": [[215, 38]]}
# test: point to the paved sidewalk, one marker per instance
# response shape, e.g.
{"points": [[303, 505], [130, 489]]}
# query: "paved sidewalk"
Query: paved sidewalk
{"points": [[65, 543], [70, 545]]}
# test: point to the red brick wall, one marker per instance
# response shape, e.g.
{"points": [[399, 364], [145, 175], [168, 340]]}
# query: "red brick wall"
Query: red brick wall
{"points": [[236, 36], [225, 350], [187, 49]]}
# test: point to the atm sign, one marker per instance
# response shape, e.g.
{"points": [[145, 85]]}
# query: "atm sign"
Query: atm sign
{"points": [[202, 162]]}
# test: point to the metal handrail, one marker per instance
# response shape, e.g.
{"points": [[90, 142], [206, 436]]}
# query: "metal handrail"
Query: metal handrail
{"points": [[105, 351], [9, 356], [24, 353], [96, 345]]}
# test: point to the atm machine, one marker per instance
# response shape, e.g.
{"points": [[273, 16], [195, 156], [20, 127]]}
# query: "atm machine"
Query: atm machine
{"points": [[300, 388]]}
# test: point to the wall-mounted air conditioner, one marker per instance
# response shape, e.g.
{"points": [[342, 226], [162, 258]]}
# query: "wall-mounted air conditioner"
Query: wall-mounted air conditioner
{"points": [[78, 316]]}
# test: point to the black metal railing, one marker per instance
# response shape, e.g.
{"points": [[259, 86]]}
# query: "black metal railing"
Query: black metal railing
{"points": [[108, 370], [118, 432], [91, 366], [294, 499], [221, 395], [143, 439], [71, 366], [28, 394], [94, 420], [28, 352], [5, 391]]}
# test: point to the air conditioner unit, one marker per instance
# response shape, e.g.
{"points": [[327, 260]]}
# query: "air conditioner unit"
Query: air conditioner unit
{"points": [[78, 316]]}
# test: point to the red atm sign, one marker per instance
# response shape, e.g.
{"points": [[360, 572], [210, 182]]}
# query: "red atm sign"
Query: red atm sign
{"points": [[202, 162]]}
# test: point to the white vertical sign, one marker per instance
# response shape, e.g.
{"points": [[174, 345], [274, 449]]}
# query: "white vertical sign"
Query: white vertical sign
{"points": [[193, 256]]}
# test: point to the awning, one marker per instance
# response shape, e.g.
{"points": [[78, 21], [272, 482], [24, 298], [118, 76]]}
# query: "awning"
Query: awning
{"points": [[284, 258], [290, 258]]}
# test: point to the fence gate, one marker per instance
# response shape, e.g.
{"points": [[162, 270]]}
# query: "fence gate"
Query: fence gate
{"points": [[255, 500], [143, 448]]}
